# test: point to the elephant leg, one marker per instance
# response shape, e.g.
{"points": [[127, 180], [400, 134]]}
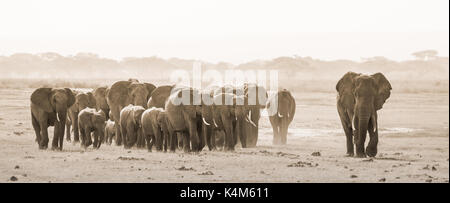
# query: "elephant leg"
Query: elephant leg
{"points": [[105, 138], [44, 135], [173, 141], [106, 135], [213, 139], [371, 149], [123, 136], [148, 139], [56, 135], [118, 135], [37, 129], [82, 136], [97, 139], [193, 136], [76, 131], [180, 140], [138, 141], [242, 135], [68, 123], [142, 140], [88, 139], [347, 126], [186, 142], [166, 140], [276, 136], [228, 140], [61, 135], [283, 131], [202, 137]]}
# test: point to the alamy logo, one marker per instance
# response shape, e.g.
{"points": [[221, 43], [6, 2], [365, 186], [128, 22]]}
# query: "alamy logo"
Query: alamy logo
{"points": [[239, 87]]}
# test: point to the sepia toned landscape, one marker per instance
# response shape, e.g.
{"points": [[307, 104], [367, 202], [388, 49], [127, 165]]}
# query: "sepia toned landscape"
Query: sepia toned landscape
{"points": [[231, 91], [413, 130]]}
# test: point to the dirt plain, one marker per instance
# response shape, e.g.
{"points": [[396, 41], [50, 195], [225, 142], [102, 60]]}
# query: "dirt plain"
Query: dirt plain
{"points": [[413, 147]]}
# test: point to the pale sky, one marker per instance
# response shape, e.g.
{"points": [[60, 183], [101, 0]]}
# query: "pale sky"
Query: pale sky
{"points": [[234, 31]]}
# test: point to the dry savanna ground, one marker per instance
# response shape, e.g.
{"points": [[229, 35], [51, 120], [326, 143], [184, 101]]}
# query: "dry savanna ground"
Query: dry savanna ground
{"points": [[413, 147]]}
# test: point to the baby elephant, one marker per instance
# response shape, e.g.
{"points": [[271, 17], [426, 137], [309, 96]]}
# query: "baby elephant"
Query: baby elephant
{"points": [[130, 124], [281, 110], [110, 131], [90, 120], [155, 129]]}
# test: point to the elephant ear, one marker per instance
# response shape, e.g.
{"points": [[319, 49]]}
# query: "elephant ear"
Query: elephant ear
{"points": [[292, 107], [70, 97], [41, 97], [150, 87], [383, 90], [347, 82]]}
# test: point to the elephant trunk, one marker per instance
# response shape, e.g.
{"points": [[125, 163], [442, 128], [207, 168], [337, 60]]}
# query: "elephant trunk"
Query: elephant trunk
{"points": [[61, 116], [363, 123]]}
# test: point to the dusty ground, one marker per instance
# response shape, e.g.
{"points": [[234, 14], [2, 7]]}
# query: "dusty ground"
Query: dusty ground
{"points": [[414, 147]]}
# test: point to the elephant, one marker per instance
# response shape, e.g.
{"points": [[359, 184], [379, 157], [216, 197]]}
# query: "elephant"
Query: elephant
{"points": [[49, 107], [100, 100], [130, 125], [183, 109], [228, 115], [155, 129], [82, 100], [159, 96], [110, 131], [281, 110], [91, 120], [123, 93], [255, 98], [359, 98]]}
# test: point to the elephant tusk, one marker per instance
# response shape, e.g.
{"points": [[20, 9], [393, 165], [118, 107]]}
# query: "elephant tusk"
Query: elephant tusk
{"points": [[57, 117], [215, 124], [279, 115], [251, 122], [204, 121]]}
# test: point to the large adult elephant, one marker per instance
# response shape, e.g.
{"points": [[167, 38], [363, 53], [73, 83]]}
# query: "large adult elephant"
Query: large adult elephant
{"points": [[281, 110], [359, 98], [255, 99], [121, 94], [49, 108], [100, 100], [82, 100], [183, 109]]}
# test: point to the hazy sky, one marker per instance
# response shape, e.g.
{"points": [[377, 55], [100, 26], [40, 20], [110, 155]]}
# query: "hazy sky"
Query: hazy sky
{"points": [[235, 31]]}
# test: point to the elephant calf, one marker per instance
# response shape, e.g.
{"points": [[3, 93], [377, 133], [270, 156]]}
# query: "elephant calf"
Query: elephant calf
{"points": [[90, 120], [155, 128], [110, 131], [82, 100], [130, 124], [281, 109]]}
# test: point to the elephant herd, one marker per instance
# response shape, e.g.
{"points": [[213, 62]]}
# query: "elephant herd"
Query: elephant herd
{"points": [[170, 117]]}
